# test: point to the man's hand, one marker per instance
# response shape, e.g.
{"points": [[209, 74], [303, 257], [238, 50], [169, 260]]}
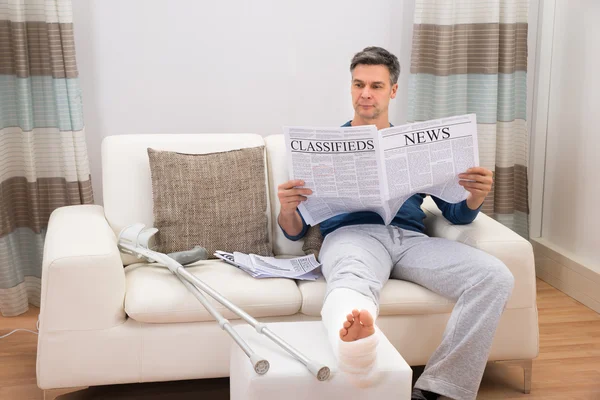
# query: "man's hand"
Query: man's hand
{"points": [[478, 182], [290, 197]]}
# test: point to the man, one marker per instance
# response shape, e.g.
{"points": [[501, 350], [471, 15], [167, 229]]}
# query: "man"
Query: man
{"points": [[359, 254]]}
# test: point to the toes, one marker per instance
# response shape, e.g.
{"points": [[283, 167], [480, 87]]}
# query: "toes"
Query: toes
{"points": [[350, 318], [347, 324], [365, 318], [355, 313], [343, 332]]}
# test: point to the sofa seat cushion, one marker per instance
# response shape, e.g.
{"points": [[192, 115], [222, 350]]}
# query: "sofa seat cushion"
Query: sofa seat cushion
{"points": [[397, 298], [155, 295]]}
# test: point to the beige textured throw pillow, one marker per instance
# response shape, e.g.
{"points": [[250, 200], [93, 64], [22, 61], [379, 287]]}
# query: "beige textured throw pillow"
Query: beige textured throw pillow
{"points": [[216, 200], [313, 240]]}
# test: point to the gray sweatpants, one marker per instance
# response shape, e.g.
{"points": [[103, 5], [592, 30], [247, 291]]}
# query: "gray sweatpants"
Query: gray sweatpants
{"points": [[364, 257]]}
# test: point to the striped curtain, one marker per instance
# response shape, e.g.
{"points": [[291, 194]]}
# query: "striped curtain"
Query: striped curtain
{"points": [[43, 156], [470, 56]]}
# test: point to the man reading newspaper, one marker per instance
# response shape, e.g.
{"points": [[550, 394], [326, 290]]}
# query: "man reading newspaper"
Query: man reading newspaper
{"points": [[359, 254]]}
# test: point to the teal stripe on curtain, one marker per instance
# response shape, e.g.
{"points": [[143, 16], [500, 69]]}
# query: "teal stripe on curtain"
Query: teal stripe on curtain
{"points": [[40, 102], [512, 96], [24, 248], [492, 97]]}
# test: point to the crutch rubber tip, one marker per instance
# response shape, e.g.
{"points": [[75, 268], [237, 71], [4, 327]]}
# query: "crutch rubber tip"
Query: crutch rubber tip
{"points": [[320, 371], [323, 374], [261, 366]]}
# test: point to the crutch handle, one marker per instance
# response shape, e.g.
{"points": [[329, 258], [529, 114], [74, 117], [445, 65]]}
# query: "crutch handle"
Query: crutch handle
{"points": [[261, 366], [189, 256], [319, 370]]}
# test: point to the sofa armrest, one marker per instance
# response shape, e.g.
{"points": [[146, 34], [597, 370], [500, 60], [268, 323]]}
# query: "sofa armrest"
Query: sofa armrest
{"points": [[496, 239], [83, 282]]}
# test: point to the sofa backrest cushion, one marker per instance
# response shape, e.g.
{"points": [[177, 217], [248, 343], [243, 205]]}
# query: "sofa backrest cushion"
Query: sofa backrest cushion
{"points": [[126, 180]]}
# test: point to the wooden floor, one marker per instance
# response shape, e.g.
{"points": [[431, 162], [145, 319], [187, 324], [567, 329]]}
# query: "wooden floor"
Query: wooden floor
{"points": [[568, 366]]}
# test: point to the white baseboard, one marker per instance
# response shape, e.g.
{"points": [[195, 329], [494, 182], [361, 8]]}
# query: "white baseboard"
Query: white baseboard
{"points": [[564, 272]]}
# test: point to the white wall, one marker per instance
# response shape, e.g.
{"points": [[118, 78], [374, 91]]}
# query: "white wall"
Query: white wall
{"points": [[160, 66], [571, 199]]}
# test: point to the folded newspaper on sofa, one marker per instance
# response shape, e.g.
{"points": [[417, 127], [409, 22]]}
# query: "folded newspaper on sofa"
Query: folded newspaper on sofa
{"points": [[362, 169], [301, 268]]}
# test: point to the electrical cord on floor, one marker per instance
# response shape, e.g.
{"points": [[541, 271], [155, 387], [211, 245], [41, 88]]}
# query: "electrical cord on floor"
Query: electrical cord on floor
{"points": [[37, 327]]}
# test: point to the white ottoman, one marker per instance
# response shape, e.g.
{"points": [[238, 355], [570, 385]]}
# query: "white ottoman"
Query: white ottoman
{"points": [[289, 379]]}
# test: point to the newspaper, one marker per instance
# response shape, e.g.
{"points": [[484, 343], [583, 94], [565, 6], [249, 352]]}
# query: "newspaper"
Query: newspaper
{"points": [[301, 268], [359, 168]]}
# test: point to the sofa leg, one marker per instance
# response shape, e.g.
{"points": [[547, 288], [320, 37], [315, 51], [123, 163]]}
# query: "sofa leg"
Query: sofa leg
{"points": [[51, 394], [527, 370], [527, 366]]}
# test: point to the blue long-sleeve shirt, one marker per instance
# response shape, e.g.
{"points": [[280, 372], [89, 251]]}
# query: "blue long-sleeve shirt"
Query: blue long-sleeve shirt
{"points": [[410, 216]]}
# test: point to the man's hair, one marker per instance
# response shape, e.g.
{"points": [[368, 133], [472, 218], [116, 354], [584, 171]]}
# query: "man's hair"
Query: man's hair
{"points": [[378, 56]]}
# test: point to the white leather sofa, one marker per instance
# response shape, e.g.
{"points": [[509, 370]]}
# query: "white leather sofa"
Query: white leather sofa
{"points": [[107, 320]]}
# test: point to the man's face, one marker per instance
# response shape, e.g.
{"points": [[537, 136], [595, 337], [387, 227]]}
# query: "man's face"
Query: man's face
{"points": [[371, 90]]}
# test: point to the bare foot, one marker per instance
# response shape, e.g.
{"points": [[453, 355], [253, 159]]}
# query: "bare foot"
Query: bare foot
{"points": [[358, 325]]}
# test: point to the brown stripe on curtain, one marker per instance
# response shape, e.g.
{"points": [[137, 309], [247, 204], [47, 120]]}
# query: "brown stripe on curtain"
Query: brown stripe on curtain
{"points": [[29, 204], [486, 48], [511, 193], [521, 189], [488, 205], [37, 48]]}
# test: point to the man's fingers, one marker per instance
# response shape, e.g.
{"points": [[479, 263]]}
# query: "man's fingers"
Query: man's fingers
{"points": [[475, 185], [476, 178], [476, 192], [479, 170], [293, 199], [291, 184], [293, 192], [478, 174]]}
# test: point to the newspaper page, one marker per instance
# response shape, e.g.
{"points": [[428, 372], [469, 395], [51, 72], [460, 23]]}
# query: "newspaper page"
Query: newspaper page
{"points": [[283, 267], [362, 169], [300, 268], [426, 157], [342, 167]]}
